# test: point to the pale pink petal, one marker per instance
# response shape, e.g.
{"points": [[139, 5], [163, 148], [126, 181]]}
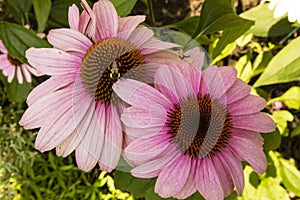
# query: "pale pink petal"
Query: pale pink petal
{"points": [[73, 17], [2, 48], [173, 177], [53, 61], [244, 142], [139, 36], [238, 91], [113, 140], [190, 186], [163, 57], [248, 105], [10, 72], [228, 75], [107, 19], [86, 16], [234, 166], [142, 150], [68, 145], [19, 75], [207, 181], [26, 72], [153, 168], [89, 150], [154, 45], [128, 24], [197, 57], [223, 174], [259, 122], [84, 20], [139, 94], [69, 40]]}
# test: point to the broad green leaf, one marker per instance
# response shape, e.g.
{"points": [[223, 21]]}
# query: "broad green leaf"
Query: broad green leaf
{"points": [[59, 11], [251, 182], [18, 39], [151, 195], [273, 167], [265, 24], [137, 186], [124, 7], [212, 12], [291, 98], [281, 118], [42, 11], [244, 68], [225, 52], [271, 140], [270, 189], [296, 131], [244, 39], [187, 25], [18, 9], [261, 62], [290, 176], [284, 67]]}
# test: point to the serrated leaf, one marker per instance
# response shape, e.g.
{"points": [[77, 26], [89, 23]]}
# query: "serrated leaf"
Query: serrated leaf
{"points": [[291, 98], [281, 118], [137, 186], [265, 24], [290, 176], [18, 39], [124, 7], [42, 11], [266, 190], [284, 67]]}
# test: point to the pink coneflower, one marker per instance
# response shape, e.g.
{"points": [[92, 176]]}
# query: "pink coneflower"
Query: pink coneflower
{"points": [[12, 67], [193, 130], [76, 108]]}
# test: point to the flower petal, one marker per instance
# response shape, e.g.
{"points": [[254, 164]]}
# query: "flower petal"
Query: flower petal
{"points": [[73, 17], [128, 24], [173, 177], [237, 91], [68, 145], [53, 61], [140, 35]]}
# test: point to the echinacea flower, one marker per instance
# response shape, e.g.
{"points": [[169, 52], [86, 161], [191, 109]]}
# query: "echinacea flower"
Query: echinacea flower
{"points": [[76, 108], [12, 67], [193, 129], [289, 7]]}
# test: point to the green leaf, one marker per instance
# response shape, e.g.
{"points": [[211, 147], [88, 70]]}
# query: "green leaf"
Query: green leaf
{"points": [[124, 7], [296, 131], [281, 118], [59, 11], [284, 67], [271, 140], [137, 186], [151, 195], [18, 39], [18, 9], [265, 24], [266, 190], [42, 11], [211, 16], [261, 62], [251, 182], [291, 98], [244, 68], [187, 25], [290, 176]]}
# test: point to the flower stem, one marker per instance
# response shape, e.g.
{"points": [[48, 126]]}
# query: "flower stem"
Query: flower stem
{"points": [[151, 13]]}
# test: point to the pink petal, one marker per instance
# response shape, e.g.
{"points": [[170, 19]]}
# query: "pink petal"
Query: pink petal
{"points": [[139, 94], [153, 168], [223, 174], [197, 57], [258, 122], [26, 72], [207, 181], [228, 75], [10, 72], [107, 19], [244, 142], [173, 177], [129, 24], [84, 20], [141, 150], [2, 48], [155, 45], [163, 57], [248, 105], [88, 16], [139, 36], [174, 87], [92, 128], [68, 145], [113, 141], [19, 75], [73, 17], [190, 186], [237, 91], [234, 166], [53, 61], [69, 40]]}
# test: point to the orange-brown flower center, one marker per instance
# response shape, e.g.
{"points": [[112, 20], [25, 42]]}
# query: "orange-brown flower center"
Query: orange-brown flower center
{"points": [[105, 62], [13, 61], [199, 126]]}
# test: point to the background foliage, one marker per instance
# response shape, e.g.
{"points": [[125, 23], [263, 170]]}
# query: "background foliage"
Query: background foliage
{"points": [[265, 51]]}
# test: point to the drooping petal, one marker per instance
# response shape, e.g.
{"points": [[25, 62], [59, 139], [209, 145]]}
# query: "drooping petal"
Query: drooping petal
{"points": [[68, 145], [173, 177], [155, 45], [69, 40], [128, 24], [53, 61], [258, 122], [73, 17], [26, 73], [19, 75]]}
